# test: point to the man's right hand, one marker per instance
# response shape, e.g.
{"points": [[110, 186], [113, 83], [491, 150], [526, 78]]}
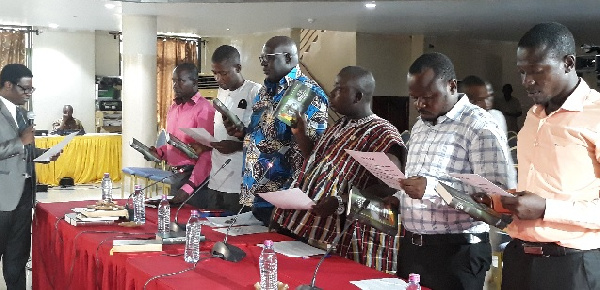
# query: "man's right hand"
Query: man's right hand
{"points": [[27, 136], [232, 130]]}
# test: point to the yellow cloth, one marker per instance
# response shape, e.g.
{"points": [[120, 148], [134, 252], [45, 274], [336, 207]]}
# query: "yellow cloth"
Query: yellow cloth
{"points": [[86, 159]]}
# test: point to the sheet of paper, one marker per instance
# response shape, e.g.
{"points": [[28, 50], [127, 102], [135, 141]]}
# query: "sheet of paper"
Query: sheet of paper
{"points": [[56, 148], [383, 283], [244, 219], [380, 166], [295, 249], [243, 230], [288, 199], [482, 183], [200, 135]]}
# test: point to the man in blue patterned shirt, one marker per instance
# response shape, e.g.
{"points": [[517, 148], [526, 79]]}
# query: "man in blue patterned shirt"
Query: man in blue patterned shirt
{"points": [[272, 152], [445, 246]]}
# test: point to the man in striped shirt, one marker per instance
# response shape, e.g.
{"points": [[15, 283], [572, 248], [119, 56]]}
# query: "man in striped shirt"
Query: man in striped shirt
{"points": [[446, 246], [329, 172]]}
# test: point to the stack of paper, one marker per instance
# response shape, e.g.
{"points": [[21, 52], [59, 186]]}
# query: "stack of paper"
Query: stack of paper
{"points": [[243, 230], [244, 219], [383, 283]]}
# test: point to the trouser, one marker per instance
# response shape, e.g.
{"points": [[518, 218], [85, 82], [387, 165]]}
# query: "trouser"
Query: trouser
{"points": [[554, 268], [213, 199], [445, 263], [178, 181], [15, 239], [263, 214]]}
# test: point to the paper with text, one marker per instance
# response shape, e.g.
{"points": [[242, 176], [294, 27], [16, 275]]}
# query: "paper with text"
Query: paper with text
{"points": [[380, 166], [243, 230], [244, 219], [295, 249], [383, 283], [288, 199], [56, 148], [482, 183], [200, 135]]}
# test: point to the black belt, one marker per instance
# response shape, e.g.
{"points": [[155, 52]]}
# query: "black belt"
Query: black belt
{"points": [[443, 239], [546, 249]]}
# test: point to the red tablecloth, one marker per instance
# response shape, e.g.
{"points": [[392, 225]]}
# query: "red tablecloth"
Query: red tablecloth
{"points": [[68, 257]]}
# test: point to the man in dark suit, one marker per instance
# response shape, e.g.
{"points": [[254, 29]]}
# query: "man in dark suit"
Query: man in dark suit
{"points": [[17, 173]]}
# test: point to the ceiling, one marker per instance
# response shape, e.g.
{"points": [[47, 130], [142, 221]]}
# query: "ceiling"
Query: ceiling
{"points": [[479, 19]]}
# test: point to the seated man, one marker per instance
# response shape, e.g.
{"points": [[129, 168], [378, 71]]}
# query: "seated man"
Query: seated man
{"points": [[67, 122], [329, 172]]}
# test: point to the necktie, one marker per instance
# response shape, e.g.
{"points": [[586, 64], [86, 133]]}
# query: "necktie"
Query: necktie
{"points": [[21, 120], [22, 125]]}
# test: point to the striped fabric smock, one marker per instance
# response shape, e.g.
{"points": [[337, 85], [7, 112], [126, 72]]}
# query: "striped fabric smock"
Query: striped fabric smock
{"points": [[330, 171]]}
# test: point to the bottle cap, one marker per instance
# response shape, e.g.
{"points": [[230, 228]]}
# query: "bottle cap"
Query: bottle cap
{"points": [[164, 196], [268, 243], [195, 212], [137, 187], [106, 174], [412, 277]]}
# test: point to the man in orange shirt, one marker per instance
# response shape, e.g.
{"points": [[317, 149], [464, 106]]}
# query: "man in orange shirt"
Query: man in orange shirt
{"points": [[556, 227]]}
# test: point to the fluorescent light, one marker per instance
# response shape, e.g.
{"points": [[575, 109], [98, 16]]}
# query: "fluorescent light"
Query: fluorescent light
{"points": [[371, 5], [109, 5], [53, 25]]}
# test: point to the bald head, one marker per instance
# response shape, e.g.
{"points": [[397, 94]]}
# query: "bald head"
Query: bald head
{"points": [[362, 80], [352, 94], [279, 56]]}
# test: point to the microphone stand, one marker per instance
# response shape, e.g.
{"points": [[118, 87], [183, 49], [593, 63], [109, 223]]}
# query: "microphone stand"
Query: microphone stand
{"points": [[334, 243], [227, 251], [175, 226]]}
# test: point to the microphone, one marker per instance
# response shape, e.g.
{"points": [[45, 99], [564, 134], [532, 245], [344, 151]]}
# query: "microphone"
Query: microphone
{"points": [[229, 252], [334, 243], [30, 117], [181, 170], [175, 226]]}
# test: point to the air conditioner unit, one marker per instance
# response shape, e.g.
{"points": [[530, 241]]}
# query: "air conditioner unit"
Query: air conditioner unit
{"points": [[207, 86]]}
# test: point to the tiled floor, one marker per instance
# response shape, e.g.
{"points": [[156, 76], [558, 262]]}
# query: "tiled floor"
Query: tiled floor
{"points": [[91, 192]]}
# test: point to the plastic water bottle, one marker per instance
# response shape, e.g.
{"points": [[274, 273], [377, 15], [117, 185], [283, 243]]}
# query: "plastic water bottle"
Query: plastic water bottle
{"points": [[267, 263], [413, 282], [192, 238], [139, 210], [106, 186], [164, 215]]}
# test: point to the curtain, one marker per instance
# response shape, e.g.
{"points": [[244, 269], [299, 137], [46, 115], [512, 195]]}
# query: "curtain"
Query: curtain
{"points": [[12, 47], [170, 53]]}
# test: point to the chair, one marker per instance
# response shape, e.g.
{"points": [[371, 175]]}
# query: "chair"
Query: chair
{"points": [[512, 141]]}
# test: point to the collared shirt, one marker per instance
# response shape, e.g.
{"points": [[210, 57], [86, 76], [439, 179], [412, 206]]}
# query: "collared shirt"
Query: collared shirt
{"points": [[239, 102], [559, 160], [198, 113], [464, 140], [331, 171], [271, 155], [12, 108], [56, 125]]}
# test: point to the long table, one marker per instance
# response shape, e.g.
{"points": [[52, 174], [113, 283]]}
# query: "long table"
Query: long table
{"points": [[68, 257], [86, 158]]}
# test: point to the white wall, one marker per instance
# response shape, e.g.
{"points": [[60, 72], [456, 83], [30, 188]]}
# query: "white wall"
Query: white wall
{"points": [[107, 54], [63, 66]]}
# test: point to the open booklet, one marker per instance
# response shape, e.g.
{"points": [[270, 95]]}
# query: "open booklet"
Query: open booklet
{"points": [[465, 203], [142, 148], [295, 101]]}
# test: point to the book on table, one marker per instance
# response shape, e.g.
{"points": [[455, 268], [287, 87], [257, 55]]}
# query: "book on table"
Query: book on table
{"points": [[294, 101], [463, 202]]}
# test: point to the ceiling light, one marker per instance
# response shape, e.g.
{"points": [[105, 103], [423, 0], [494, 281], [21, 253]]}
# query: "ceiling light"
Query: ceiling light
{"points": [[227, 29], [53, 25], [371, 5], [109, 5]]}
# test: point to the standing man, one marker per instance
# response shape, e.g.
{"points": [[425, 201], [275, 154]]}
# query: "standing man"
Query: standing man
{"points": [[67, 122], [510, 107], [556, 227], [329, 173], [223, 191], [481, 95], [272, 153], [446, 246], [189, 110], [17, 173]]}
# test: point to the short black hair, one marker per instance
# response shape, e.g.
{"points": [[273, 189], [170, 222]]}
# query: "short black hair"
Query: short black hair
{"points": [[440, 64], [226, 53], [554, 37], [13, 73], [472, 80], [190, 68]]}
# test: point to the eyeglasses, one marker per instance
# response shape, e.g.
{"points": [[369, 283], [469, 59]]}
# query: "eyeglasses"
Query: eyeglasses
{"points": [[269, 56], [26, 90]]}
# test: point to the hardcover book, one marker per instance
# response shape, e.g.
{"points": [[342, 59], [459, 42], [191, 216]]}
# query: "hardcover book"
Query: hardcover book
{"points": [[377, 214], [75, 220], [465, 203], [186, 149], [295, 101], [233, 118], [140, 147]]}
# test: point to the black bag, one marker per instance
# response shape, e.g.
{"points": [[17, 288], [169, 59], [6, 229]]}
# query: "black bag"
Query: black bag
{"points": [[66, 182]]}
